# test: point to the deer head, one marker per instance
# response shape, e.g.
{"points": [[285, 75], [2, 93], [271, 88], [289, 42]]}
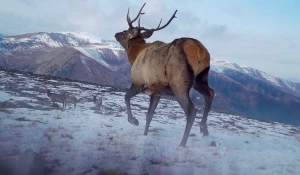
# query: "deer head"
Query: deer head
{"points": [[138, 33]]}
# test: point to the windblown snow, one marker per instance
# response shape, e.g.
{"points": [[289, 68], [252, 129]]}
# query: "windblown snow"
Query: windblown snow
{"points": [[81, 141]]}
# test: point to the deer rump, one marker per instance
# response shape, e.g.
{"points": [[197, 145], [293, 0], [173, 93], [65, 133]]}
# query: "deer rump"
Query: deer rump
{"points": [[161, 64]]}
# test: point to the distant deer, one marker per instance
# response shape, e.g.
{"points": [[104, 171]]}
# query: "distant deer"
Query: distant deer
{"points": [[98, 102], [70, 99], [56, 97], [160, 68]]}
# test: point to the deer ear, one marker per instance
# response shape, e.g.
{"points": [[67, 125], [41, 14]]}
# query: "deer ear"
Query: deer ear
{"points": [[146, 34], [133, 33]]}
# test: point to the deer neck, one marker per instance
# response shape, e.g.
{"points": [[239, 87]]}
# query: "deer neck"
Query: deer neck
{"points": [[134, 48]]}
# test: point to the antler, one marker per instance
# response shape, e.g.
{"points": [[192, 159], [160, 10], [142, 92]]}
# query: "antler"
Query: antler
{"points": [[128, 18], [158, 27]]}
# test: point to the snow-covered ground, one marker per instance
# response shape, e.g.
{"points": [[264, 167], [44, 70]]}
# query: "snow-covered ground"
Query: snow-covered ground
{"points": [[81, 141]]}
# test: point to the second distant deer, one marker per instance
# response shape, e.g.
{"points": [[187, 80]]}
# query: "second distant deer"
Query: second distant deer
{"points": [[98, 102]]}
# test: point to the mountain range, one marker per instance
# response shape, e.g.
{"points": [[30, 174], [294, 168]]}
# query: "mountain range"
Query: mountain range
{"points": [[87, 58]]}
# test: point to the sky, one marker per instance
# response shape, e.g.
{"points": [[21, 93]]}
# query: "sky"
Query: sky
{"points": [[253, 33]]}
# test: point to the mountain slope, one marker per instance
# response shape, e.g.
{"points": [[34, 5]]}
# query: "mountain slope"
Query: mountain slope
{"points": [[272, 105], [75, 56], [83, 57], [45, 40], [234, 71]]}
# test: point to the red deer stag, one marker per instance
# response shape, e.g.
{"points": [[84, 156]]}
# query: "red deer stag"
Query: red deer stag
{"points": [[160, 68]]}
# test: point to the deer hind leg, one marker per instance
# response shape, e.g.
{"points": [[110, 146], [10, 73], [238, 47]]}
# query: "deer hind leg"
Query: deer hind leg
{"points": [[181, 93], [133, 91], [201, 85], [154, 99]]}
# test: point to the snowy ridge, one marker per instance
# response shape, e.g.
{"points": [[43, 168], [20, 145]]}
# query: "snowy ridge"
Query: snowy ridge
{"points": [[81, 141], [222, 66], [96, 52], [46, 39], [90, 45], [113, 43], [93, 52], [84, 36]]}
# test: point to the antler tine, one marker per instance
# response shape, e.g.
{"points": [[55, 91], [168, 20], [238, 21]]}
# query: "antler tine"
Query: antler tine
{"points": [[128, 18], [159, 23], [139, 22], [158, 27]]}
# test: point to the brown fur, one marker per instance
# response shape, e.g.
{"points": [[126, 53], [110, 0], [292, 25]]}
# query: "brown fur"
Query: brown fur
{"points": [[197, 55], [154, 64]]}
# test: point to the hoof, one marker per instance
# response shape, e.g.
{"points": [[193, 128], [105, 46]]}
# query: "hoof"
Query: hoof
{"points": [[182, 145], [203, 129], [133, 121]]}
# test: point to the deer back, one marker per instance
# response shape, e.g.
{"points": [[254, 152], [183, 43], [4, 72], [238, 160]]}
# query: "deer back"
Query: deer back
{"points": [[58, 97], [71, 99], [160, 63]]}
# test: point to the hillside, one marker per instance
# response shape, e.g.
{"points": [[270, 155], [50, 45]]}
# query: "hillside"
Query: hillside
{"points": [[53, 140], [72, 55], [87, 58]]}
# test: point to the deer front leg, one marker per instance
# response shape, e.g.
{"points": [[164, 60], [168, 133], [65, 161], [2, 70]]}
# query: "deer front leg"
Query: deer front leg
{"points": [[133, 91]]}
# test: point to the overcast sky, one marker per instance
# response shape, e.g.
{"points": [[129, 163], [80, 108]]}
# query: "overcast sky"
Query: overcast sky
{"points": [[263, 34]]}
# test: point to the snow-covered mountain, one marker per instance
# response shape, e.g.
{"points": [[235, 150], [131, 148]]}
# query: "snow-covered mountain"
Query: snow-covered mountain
{"points": [[39, 138], [229, 68], [44, 40], [73, 55], [84, 57], [109, 53]]}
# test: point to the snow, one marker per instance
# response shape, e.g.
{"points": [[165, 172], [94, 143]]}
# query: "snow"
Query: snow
{"points": [[74, 141], [270, 78], [39, 40], [94, 53], [4, 96], [83, 60], [116, 51], [44, 38], [85, 36], [221, 66]]}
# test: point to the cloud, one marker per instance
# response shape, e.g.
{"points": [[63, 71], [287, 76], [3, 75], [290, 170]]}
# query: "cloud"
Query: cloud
{"points": [[233, 9], [218, 32]]}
